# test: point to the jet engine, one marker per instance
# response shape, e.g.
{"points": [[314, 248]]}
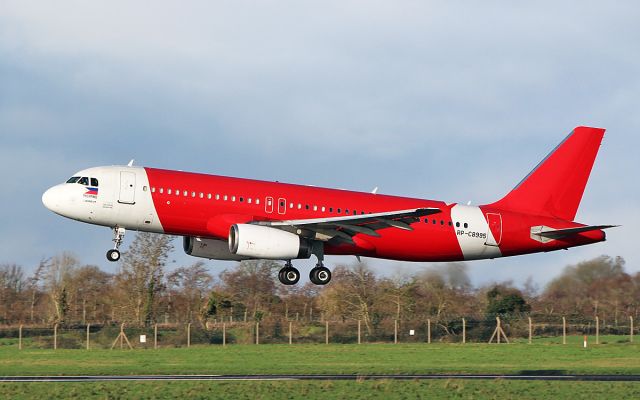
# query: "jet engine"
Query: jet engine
{"points": [[209, 248], [256, 241]]}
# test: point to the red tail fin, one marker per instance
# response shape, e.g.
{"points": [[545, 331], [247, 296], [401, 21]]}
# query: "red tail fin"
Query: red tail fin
{"points": [[555, 186]]}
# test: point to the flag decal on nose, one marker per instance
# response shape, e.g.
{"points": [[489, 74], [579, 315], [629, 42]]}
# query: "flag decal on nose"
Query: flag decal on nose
{"points": [[91, 191]]}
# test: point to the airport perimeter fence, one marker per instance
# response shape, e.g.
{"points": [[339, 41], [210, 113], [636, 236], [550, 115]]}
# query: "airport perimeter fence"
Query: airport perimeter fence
{"points": [[282, 331]]}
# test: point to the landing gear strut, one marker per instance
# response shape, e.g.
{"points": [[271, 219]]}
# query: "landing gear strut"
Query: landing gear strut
{"points": [[113, 255], [289, 275], [319, 275]]}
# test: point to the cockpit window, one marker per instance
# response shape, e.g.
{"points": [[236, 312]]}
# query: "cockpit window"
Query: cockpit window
{"points": [[84, 181], [73, 179], [94, 182]]}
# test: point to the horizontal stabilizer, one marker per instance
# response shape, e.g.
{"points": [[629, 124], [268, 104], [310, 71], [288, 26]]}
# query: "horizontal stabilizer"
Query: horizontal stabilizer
{"points": [[545, 232]]}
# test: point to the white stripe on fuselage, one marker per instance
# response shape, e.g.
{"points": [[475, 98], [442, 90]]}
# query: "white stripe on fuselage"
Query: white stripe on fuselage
{"points": [[473, 238]]}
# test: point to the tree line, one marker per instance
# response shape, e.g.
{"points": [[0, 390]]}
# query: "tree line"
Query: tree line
{"points": [[142, 292]]}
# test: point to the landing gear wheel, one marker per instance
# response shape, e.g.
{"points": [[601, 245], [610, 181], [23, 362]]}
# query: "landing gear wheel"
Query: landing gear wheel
{"points": [[320, 275], [289, 275], [113, 255]]}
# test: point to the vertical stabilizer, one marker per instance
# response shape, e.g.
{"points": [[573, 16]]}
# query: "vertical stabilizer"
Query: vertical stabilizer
{"points": [[555, 186]]}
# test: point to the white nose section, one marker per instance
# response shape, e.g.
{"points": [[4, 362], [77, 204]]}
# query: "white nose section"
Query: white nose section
{"points": [[48, 199], [54, 199]]}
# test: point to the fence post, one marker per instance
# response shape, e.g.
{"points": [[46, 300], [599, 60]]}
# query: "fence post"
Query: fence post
{"points": [[55, 337], [597, 330], [498, 328], [464, 331], [631, 329], [88, 330], [564, 330], [359, 333], [257, 332], [224, 334], [395, 331], [530, 330], [290, 332], [326, 332], [20, 338], [189, 335], [155, 336], [429, 331]]}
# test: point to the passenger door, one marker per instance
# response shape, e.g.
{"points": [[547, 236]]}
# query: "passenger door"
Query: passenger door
{"points": [[127, 187]]}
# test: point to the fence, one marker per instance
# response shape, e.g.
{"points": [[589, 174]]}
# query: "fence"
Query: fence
{"points": [[282, 331]]}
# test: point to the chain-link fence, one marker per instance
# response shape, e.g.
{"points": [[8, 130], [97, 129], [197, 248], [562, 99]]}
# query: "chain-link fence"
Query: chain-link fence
{"points": [[554, 329]]}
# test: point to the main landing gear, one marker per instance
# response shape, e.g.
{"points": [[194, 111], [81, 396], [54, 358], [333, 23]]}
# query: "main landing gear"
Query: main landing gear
{"points": [[319, 275], [289, 275], [113, 255]]}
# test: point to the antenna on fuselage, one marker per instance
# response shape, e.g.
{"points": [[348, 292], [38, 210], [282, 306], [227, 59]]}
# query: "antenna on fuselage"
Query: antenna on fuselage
{"points": [[131, 163], [375, 190]]}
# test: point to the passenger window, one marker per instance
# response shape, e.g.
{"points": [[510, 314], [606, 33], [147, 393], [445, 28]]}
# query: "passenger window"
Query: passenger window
{"points": [[323, 209], [193, 194], [339, 211], [306, 207], [233, 198], [331, 209], [94, 182], [209, 196], [84, 181], [241, 199], [185, 193], [299, 206], [217, 197], [258, 201], [249, 200], [457, 224], [315, 208], [225, 197], [466, 225], [291, 205], [168, 191], [177, 192], [153, 190]]}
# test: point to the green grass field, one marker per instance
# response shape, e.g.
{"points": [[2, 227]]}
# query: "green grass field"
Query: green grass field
{"points": [[614, 357]]}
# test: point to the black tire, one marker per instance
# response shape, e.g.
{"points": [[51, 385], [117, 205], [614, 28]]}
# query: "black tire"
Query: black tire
{"points": [[289, 276], [113, 255], [320, 275]]}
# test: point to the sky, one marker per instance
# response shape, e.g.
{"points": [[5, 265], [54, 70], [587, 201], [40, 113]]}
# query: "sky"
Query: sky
{"points": [[445, 100]]}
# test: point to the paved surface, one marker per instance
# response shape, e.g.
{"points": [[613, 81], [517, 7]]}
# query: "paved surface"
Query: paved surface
{"points": [[106, 378]]}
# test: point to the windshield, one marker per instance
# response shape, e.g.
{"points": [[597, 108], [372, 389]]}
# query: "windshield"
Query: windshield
{"points": [[73, 179]]}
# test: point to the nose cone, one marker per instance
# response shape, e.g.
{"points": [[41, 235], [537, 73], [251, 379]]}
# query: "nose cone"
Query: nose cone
{"points": [[52, 199]]}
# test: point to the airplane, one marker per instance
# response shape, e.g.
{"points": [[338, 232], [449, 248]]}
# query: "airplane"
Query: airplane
{"points": [[227, 218]]}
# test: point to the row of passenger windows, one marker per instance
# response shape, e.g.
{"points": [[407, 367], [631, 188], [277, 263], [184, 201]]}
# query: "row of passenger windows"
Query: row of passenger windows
{"points": [[249, 200], [281, 204], [435, 222], [83, 180]]}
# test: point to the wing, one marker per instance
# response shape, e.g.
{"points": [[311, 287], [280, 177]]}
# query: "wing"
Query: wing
{"points": [[342, 229]]}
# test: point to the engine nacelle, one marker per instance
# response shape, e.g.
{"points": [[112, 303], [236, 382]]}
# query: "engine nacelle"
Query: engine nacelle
{"points": [[209, 248], [256, 241]]}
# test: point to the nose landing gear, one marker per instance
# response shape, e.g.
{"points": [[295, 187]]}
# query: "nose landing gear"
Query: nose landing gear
{"points": [[113, 255]]}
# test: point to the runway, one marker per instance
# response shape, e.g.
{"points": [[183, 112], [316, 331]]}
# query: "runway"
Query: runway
{"points": [[342, 377]]}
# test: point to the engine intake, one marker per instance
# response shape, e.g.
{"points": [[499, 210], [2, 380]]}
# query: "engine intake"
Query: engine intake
{"points": [[256, 241]]}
